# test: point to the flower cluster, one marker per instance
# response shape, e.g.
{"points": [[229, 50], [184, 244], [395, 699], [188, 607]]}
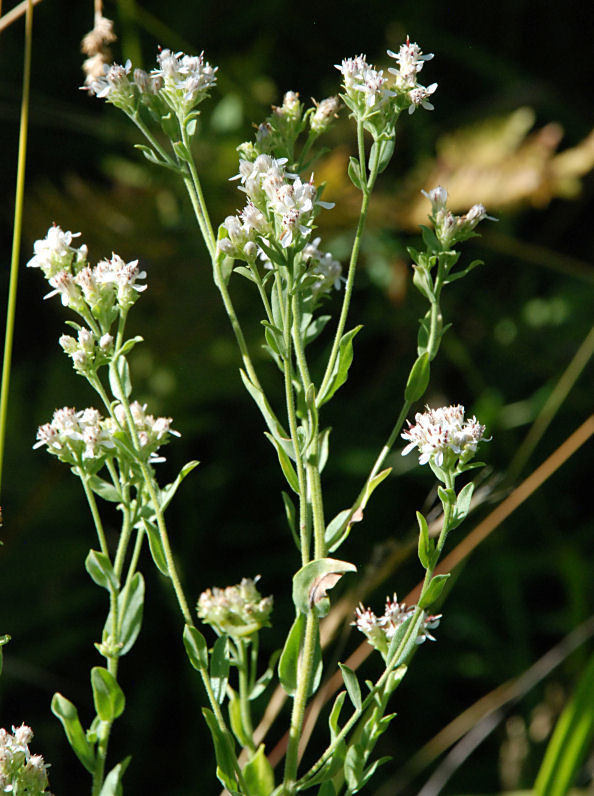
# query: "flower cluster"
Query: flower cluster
{"points": [[368, 90], [451, 229], [325, 111], [186, 79], [84, 437], [365, 87], [236, 611], [443, 437], [77, 436], [152, 432], [279, 203], [180, 83], [321, 265], [380, 630], [20, 771], [410, 62], [86, 352], [111, 284]]}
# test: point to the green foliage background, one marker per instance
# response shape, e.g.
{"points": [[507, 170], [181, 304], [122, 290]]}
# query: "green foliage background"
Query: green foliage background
{"points": [[517, 324]]}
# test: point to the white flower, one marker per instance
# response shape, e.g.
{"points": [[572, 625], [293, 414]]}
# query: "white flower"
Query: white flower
{"points": [[438, 431], [323, 266], [419, 97], [410, 62], [325, 111], [122, 277], [115, 86], [186, 78], [359, 76], [55, 253], [380, 630]]}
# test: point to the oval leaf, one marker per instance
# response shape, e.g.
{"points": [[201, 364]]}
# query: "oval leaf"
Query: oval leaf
{"points": [[258, 774], [108, 697], [434, 590], [99, 568], [196, 648], [352, 685]]}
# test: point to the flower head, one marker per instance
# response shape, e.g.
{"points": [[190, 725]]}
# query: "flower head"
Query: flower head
{"points": [[20, 771], [186, 79], [55, 252], [440, 434], [237, 611], [380, 630]]}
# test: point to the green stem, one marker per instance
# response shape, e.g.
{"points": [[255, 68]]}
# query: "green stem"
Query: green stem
{"points": [[153, 141], [413, 628], [244, 692], [16, 234], [305, 675], [94, 511], [210, 238], [354, 256]]}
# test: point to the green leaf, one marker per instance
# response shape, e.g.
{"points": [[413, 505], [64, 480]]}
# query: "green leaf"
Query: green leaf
{"points": [[196, 648], [353, 766], [108, 697], [258, 774], [323, 446], [291, 515], [156, 548], [167, 493], [285, 463], [434, 590], [354, 172], [64, 710], [430, 240], [337, 530], [235, 718], [119, 374], [219, 668], [418, 378], [447, 496], [101, 571], [463, 272], [264, 679], [3, 640], [112, 785], [312, 581], [569, 745], [352, 685], [104, 489], [242, 270], [372, 485], [131, 606], [369, 772], [315, 328], [341, 366], [289, 660], [275, 428], [426, 547], [224, 752], [386, 150], [274, 338], [128, 345], [327, 789], [462, 505], [335, 715]]}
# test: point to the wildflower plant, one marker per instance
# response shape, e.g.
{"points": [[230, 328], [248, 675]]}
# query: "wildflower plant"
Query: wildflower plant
{"points": [[303, 289]]}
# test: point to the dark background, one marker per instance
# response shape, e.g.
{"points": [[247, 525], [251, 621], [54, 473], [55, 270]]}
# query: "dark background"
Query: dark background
{"points": [[517, 323]]}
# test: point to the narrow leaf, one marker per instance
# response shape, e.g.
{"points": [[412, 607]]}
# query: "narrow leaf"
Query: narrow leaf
{"points": [[275, 428], [224, 753], [68, 715], [352, 685], [418, 378], [341, 366], [131, 606], [285, 463], [104, 489], [219, 668], [156, 548], [289, 659]]}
